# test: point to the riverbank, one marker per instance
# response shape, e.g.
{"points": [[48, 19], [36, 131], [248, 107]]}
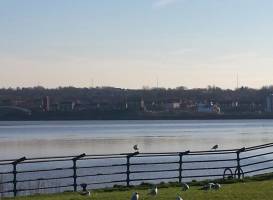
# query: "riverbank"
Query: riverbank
{"points": [[254, 190], [127, 115]]}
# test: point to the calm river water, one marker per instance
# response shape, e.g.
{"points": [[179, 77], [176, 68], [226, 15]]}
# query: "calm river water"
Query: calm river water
{"points": [[49, 138]]}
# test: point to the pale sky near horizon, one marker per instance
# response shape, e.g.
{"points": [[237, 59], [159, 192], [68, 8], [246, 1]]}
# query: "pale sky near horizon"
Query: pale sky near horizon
{"points": [[132, 43]]}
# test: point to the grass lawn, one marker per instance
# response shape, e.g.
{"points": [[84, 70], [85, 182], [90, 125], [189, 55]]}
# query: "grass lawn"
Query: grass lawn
{"points": [[251, 190]]}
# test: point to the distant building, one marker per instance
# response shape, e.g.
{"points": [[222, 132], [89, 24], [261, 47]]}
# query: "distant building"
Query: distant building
{"points": [[208, 108], [269, 103], [173, 106], [67, 106]]}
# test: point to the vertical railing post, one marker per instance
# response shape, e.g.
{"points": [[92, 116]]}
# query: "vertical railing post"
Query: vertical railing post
{"points": [[180, 167], [238, 161], [128, 170], [128, 157], [181, 154], [75, 185], [14, 172]]}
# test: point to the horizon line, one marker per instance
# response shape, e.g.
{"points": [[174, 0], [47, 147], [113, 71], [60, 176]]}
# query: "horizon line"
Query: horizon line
{"points": [[142, 88]]}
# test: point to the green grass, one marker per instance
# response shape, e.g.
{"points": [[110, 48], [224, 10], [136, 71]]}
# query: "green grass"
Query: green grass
{"points": [[249, 190]]}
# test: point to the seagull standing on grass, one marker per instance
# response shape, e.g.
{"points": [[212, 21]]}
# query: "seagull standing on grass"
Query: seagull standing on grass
{"points": [[179, 197], [216, 186], [136, 148], [207, 187], [85, 192], [215, 147], [185, 186], [153, 191], [135, 196]]}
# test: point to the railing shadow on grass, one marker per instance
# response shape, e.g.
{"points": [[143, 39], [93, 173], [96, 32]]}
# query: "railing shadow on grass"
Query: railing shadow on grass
{"points": [[26, 176]]}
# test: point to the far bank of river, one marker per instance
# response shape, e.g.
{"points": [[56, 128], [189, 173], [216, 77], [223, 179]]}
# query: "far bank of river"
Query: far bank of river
{"points": [[127, 115]]}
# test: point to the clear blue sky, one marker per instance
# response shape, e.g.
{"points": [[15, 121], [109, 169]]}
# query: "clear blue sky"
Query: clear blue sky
{"points": [[132, 43]]}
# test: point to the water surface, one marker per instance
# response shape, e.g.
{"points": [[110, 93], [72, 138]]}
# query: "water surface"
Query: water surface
{"points": [[48, 138]]}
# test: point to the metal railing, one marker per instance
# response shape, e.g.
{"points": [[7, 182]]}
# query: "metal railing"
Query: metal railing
{"points": [[46, 174]]}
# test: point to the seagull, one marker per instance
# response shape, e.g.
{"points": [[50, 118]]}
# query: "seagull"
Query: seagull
{"points": [[216, 186], [135, 196], [85, 192], [179, 197], [136, 147], [153, 191], [207, 187], [215, 147], [185, 186]]}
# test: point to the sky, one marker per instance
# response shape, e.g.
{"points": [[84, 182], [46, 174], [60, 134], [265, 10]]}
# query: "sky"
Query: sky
{"points": [[136, 43]]}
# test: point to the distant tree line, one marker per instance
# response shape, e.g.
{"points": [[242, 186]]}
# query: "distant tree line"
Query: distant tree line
{"points": [[243, 99]]}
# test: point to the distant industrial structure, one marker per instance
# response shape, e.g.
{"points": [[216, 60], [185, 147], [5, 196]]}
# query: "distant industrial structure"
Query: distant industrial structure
{"points": [[269, 103]]}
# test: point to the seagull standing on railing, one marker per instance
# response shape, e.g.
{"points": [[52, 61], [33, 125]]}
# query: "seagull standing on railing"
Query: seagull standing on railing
{"points": [[215, 147], [185, 186], [135, 196], [136, 148]]}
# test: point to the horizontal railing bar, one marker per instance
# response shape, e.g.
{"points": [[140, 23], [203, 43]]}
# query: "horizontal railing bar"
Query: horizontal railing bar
{"points": [[255, 149], [51, 157], [2, 164], [99, 174], [259, 147], [211, 153], [110, 154], [155, 163], [207, 168], [6, 182], [218, 160], [45, 170], [43, 161], [101, 158], [256, 163], [148, 171], [44, 179], [257, 170], [143, 155], [107, 182], [201, 176], [195, 152], [257, 155], [73, 156], [146, 179], [4, 173], [44, 188], [101, 166], [7, 191]]}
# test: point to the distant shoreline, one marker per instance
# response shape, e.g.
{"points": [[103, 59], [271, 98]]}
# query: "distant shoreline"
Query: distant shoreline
{"points": [[74, 116]]}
